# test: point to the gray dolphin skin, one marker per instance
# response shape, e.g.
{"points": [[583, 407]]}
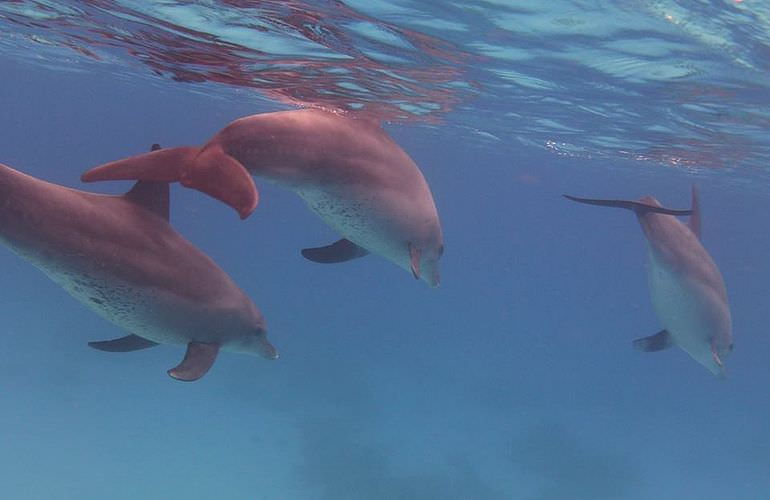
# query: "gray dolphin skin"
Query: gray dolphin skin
{"points": [[686, 287], [345, 167], [119, 256]]}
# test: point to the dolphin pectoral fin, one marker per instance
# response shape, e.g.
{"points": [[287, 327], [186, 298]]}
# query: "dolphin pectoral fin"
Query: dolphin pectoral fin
{"points": [[658, 342], [635, 206], [414, 258], [221, 176], [164, 165], [123, 344], [694, 222], [340, 251], [197, 361]]}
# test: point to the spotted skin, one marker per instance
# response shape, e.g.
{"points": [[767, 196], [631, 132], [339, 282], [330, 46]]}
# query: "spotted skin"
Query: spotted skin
{"points": [[119, 256], [345, 167]]}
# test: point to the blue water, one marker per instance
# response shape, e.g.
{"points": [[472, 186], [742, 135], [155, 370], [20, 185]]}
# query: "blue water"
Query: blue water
{"points": [[516, 378]]}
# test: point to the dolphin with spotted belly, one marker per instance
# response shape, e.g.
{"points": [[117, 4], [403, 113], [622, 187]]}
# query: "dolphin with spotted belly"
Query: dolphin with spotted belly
{"points": [[346, 168], [119, 256], [686, 287]]}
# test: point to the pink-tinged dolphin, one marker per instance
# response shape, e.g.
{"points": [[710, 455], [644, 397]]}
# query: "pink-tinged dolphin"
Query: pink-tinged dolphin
{"points": [[347, 169], [119, 256], [687, 290]]}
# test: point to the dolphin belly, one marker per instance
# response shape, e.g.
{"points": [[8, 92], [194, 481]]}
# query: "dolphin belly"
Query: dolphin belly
{"points": [[682, 307], [134, 308], [360, 220]]}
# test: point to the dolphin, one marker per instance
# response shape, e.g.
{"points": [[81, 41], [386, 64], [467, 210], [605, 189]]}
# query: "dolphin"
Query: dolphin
{"points": [[687, 290], [119, 256], [347, 169]]}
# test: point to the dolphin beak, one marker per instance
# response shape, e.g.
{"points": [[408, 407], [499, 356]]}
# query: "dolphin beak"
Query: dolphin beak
{"points": [[435, 279]]}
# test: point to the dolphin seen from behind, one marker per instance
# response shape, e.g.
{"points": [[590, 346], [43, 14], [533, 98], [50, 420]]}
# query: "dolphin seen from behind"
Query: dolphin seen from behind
{"points": [[347, 169], [119, 256], [686, 287]]}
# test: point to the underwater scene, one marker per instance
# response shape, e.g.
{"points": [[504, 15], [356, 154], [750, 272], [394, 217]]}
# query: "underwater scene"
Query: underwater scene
{"points": [[385, 249]]}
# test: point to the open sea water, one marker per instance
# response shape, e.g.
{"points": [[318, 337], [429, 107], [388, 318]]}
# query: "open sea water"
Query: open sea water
{"points": [[516, 378]]}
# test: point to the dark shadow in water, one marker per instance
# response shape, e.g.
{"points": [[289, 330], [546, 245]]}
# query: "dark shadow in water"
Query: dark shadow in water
{"points": [[569, 469], [338, 464]]}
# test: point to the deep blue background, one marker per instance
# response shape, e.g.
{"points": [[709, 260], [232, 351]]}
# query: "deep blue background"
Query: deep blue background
{"points": [[514, 379]]}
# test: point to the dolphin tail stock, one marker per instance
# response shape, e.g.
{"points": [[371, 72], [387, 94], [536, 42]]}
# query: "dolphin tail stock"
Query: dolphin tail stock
{"points": [[636, 206], [209, 170]]}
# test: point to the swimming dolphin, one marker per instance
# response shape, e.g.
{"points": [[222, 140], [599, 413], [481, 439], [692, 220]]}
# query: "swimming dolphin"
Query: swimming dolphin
{"points": [[347, 169], [119, 256], [687, 290]]}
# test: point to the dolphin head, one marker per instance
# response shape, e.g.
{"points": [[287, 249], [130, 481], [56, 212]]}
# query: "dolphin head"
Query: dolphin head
{"points": [[261, 346], [649, 200], [711, 355], [248, 334], [431, 251], [256, 338], [722, 347], [254, 343]]}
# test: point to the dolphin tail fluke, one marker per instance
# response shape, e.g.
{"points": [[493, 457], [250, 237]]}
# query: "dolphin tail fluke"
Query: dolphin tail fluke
{"points": [[658, 342], [163, 165], [210, 171], [197, 361], [221, 176], [123, 344], [636, 206], [340, 251]]}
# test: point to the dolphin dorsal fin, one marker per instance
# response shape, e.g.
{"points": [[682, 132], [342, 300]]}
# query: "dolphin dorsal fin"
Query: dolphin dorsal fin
{"points": [[694, 221], [152, 196]]}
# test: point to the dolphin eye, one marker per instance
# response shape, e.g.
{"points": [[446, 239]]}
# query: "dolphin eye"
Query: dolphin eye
{"points": [[441, 250]]}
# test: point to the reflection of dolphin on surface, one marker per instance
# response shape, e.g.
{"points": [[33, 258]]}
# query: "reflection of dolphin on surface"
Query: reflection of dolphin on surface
{"points": [[347, 169], [119, 256], [686, 287]]}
